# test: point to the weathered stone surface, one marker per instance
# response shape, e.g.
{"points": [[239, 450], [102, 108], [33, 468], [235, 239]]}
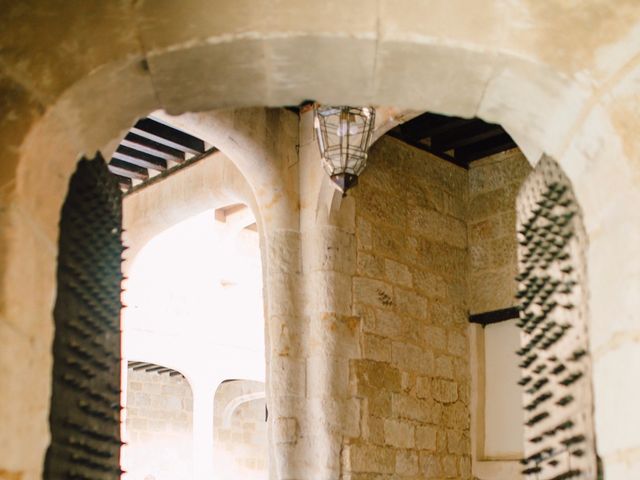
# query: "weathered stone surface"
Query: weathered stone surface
{"points": [[435, 337], [456, 415], [457, 343], [406, 356], [457, 442], [445, 391], [410, 304], [412, 408], [373, 292], [407, 463], [397, 277], [430, 465], [398, 273], [376, 348], [444, 367], [426, 437], [380, 375], [566, 84], [399, 433], [450, 466], [369, 458], [493, 184], [437, 227], [423, 387], [370, 265]]}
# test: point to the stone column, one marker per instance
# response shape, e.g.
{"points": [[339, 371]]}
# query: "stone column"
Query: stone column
{"points": [[203, 393], [328, 264], [285, 362]]}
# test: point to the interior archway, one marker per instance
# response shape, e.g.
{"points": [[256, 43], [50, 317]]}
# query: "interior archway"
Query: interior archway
{"points": [[499, 73]]}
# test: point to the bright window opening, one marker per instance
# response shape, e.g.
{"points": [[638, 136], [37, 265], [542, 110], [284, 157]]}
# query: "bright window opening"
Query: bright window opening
{"points": [[194, 306]]}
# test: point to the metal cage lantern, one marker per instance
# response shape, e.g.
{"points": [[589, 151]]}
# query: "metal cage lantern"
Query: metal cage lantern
{"points": [[344, 134]]}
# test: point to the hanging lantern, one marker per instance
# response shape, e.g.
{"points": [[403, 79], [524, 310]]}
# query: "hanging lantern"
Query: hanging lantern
{"points": [[344, 134]]}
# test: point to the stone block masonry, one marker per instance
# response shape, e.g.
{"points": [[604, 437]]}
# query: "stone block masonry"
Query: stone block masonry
{"points": [[240, 433], [493, 187], [159, 426], [412, 377]]}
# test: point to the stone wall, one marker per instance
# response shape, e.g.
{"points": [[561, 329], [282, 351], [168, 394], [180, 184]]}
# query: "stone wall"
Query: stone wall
{"points": [[409, 291], [562, 80], [240, 433], [493, 187], [159, 427], [496, 400]]}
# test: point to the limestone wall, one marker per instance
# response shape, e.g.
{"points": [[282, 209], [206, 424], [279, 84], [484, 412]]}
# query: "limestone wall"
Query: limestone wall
{"points": [[493, 187], [412, 378], [561, 80], [159, 427], [496, 399], [240, 431]]}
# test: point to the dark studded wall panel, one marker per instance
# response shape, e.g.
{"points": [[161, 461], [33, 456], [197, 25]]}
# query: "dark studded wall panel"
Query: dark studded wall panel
{"points": [[85, 404], [555, 360]]}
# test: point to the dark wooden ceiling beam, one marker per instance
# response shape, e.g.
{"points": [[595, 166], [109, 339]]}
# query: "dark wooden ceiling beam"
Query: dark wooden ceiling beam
{"points": [[141, 159], [142, 366], [418, 127], [430, 125], [152, 148], [166, 135], [457, 140], [466, 134], [155, 368], [485, 148], [125, 169], [152, 367], [125, 182]]}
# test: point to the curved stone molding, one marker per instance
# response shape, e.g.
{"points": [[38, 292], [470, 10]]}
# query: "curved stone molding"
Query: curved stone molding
{"points": [[233, 405]]}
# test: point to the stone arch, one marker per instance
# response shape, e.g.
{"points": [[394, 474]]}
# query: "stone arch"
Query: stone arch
{"points": [[212, 183], [548, 90], [239, 426], [183, 339], [158, 426]]}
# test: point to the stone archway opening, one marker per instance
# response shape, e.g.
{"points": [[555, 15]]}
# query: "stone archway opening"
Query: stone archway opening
{"points": [[194, 288], [572, 106], [157, 423], [240, 430], [476, 197]]}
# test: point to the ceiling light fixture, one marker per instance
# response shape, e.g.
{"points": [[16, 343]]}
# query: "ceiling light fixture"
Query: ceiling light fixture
{"points": [[344, 134]]}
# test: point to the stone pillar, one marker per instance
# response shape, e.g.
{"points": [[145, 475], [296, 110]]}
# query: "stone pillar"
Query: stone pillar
{"points": [[330, 330], [203, 393], [284, 350]]}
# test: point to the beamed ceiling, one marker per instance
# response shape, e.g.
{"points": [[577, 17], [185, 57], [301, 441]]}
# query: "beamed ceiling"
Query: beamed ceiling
{"points": [[152, 367], [152, 150], [457, 140]]}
